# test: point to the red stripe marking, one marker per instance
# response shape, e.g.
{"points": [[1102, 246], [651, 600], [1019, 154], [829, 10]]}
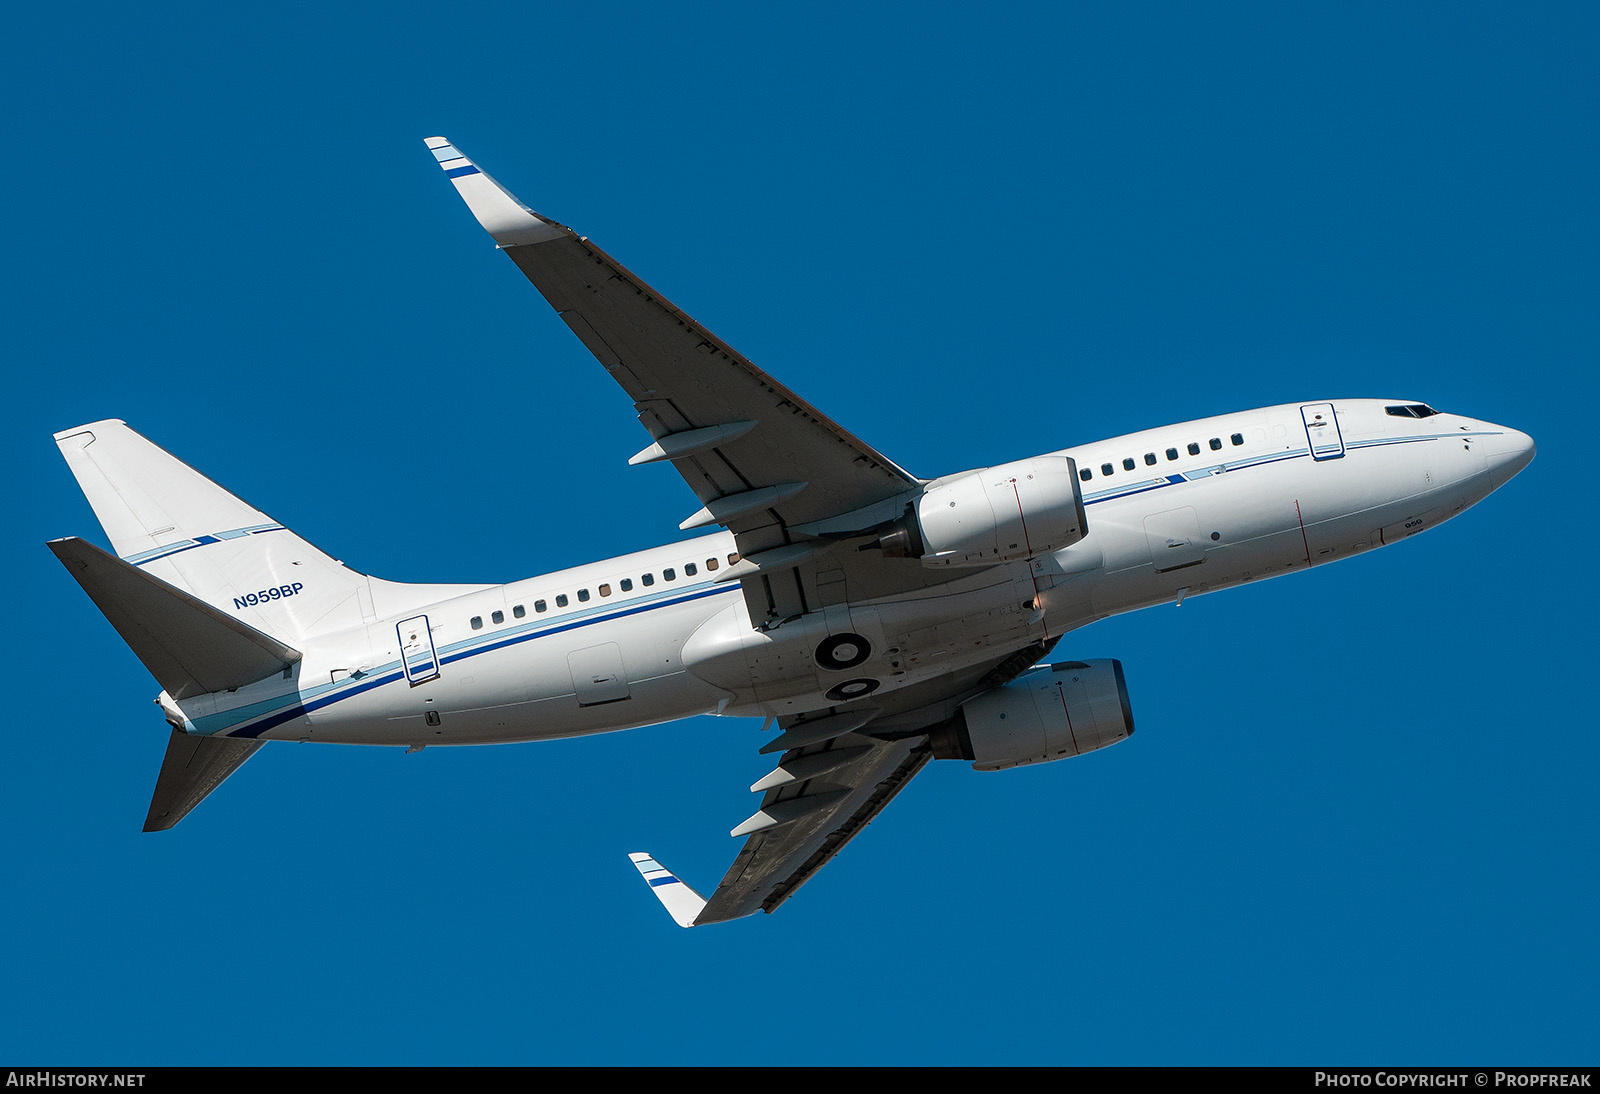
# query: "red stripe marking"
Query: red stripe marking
{"points": [[1302, 521]]}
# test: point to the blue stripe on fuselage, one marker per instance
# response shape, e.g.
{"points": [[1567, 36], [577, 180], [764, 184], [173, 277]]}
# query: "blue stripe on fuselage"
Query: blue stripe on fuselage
{"points": [[389, 675]]}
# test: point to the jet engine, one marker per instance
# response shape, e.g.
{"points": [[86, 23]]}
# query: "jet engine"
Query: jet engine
{"points": [[1000, 514], [1048, 713]]}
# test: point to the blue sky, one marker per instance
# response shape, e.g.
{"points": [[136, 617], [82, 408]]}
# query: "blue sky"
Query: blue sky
{"points": [[1357, 824]]}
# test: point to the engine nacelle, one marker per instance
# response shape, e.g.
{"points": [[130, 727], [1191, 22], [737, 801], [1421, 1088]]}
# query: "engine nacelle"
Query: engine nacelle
{"points": [[1000, 514], [1048, 713]]}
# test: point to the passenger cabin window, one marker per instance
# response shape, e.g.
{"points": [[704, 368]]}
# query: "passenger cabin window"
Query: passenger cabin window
{"points": [[477, 622], [561, 600], [648, 579], [1411, 410], [1172, 453], [733, 557], [1150, 459], [1194, 449], [538, 605], [712, 564], [1127, 464], [1237, 438], [1085, 474], [690, 569], [583, 595], [669, 574], [1216, 444], [605, 590], [1105, 469], [627, 584], [518, 611], [497, 618]]}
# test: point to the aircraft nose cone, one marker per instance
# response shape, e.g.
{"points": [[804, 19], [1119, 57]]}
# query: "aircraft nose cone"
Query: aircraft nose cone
{"points": [[1511, 452]]}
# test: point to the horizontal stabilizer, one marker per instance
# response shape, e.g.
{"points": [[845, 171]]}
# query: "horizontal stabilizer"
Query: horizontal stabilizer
{"points": [[193, 768], [189, 647], [680, 901]]}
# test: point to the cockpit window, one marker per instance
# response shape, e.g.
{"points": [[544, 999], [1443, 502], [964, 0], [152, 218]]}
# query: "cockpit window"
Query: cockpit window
{"points": [[1411, 410]]}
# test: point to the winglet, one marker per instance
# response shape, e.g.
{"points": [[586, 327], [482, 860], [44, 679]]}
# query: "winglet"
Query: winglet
{"points": [[680, 901], [510, 222]]}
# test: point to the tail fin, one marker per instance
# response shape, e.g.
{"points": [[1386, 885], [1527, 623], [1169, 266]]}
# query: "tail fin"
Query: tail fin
{"points": [[170, 521]]}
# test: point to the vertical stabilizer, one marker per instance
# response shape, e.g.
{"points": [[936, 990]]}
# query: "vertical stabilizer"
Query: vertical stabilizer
{"points": [[173, 523]]}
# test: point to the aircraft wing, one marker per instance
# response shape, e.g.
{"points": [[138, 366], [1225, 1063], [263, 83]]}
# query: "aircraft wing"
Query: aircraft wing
{"points": [[760, 459], [830, 793], [837, 772], [816, 800]]}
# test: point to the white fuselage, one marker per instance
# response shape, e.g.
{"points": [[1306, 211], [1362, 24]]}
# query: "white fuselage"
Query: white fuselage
{"points": [[651, 637]]}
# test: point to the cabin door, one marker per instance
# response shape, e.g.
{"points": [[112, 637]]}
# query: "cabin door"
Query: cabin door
{"points": [[417, 655], [1322, 430]]}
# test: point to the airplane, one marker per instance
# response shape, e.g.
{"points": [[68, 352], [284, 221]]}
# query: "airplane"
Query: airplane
{"points": [[874, 620]]}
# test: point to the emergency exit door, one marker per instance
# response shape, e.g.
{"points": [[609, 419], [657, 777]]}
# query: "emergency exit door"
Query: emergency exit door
{"points": [[417, 655], [1322, 430]]}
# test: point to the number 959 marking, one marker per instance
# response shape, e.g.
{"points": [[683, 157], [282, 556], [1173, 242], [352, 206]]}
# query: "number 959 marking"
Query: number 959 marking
{"points": [[250, 600]]}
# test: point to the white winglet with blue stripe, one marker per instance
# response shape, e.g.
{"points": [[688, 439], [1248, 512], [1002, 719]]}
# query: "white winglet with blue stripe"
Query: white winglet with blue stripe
{"points": [[680, 901], [510, 222]]}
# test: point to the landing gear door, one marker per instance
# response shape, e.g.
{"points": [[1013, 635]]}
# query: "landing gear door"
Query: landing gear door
{"points": [[1322, 430], [417, 655]]}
